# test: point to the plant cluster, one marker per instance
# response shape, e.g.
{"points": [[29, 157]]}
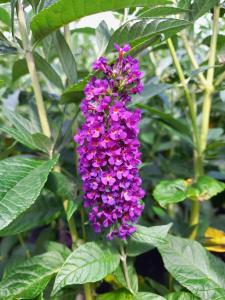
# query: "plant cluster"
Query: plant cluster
{"points": [[112, 173]]}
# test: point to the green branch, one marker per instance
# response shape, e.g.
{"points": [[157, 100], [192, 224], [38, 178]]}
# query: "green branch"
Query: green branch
{"points": [[32, 70], [192, 108]]}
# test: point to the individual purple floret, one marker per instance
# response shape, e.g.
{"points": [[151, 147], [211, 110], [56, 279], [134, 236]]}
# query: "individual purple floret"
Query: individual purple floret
{"points": [[108, 146]]}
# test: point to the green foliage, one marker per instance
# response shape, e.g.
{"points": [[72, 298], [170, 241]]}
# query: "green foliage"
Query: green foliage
{"points": [[26, 132], [21, 179], [137, 32], [121, 280], [20, 69], [154, 235], [50, 19], [45, 209], [66, 57], [91, 262], [30, 278], [48, 249], [194, 268], [173, 191], [181, 296]]}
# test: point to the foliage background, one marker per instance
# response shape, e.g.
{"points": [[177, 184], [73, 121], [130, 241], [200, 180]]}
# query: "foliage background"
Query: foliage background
{"points": [[41, 216]]}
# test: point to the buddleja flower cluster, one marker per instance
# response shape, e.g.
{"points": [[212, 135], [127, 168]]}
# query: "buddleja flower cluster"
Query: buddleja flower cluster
{"points": [[108, 146]]}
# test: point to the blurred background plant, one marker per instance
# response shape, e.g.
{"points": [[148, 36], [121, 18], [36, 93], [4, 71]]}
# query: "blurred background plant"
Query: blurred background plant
{"points": [[181, 49]]}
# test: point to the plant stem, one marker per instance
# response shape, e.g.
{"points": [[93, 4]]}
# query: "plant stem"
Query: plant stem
{"points": [[87, 286], [32, 70], [210, 77], [23, 244], [193, 60], [82, 224], [125, 267], [198, 161], [190, 101], [194, 219], [67, 35], [71, 224], [87, 291]]}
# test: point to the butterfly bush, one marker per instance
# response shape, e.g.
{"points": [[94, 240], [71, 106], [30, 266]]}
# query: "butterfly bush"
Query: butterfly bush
{"points": [[108, 146]]}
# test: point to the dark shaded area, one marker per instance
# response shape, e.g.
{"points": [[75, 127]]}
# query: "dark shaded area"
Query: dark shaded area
{"points": [[150, 264], [104, 288]]}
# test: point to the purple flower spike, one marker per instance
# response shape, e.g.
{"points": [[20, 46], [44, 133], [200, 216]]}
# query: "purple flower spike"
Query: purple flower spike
{"points": [[109, 148]]}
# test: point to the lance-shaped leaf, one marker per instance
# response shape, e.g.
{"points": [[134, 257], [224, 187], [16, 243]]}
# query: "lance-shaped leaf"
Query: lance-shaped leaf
{"points": [[26, 132], [121, 280], [74, 93], [154, 235], [138, 31], [4, 16], [147, 296], [42, 212], [90, 262], [181, 296], [194, 267], [120, 294], [65, 11], [66, 57], [66, 190], [20, 69], [162, 11], [178, 125], [21, 181], [29, 279], [200, 7]]}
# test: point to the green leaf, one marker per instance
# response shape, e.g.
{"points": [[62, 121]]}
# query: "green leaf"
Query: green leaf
{"points": [[20, 69], [194, 267], [66, 57], [162, 11], [178, 125], [65, 11], [4, 16], [150, 90], [21, 179], [136, 32], [58, 247], [102, 36], [120, 294], [177, 190], [205, 188], [26, 133], [154, 235], [7, 48], [147, 296], [47, 70], [42, 212], [200, 7], [90, 262], [74, 93], [135, 248], [30, 278], [120, 278], [181, 296], [170, 191], [66, 190], [42, 142]]}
